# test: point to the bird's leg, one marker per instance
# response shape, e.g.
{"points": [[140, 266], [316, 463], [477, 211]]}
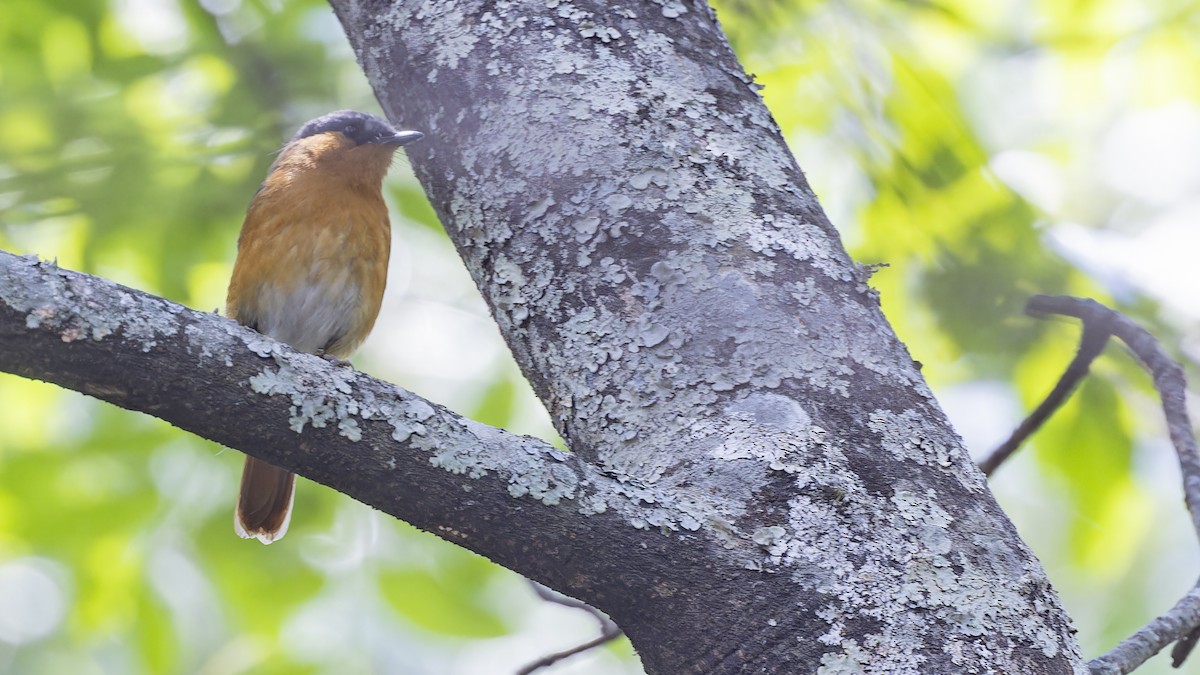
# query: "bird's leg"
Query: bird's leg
{"points": [[334, 360]]}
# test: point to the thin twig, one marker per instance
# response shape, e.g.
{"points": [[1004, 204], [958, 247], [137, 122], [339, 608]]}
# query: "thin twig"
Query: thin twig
{"points": [[1091, 343], [1168, 377], [1184, 618], [1136, 649], [608, 630], [1184, 647]]}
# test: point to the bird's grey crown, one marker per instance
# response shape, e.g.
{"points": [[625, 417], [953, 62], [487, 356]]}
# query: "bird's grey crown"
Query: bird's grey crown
{"points": [[359, 127]]}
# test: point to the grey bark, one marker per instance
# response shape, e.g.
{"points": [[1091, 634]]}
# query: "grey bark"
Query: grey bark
{"points": [[760, 480]]}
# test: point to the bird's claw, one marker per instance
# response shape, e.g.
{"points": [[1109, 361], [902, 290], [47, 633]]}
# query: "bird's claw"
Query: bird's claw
{"points": [[334, 360]]}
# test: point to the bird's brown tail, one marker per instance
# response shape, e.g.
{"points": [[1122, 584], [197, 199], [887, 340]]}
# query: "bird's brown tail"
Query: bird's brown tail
{"points": [[264, 505]]}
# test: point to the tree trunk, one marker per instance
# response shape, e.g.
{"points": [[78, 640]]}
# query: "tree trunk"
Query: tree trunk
{"points": [[669, 284]]}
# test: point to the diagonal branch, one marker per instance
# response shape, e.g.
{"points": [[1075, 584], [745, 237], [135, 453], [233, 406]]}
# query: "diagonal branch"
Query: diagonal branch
{"points": [[1184, 618], [515, 499], [608, 630], [1091, 343], [1168, 378]]}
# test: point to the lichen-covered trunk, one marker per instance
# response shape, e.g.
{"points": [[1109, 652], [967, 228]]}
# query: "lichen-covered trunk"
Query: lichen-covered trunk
{"points": [[670, 286]]}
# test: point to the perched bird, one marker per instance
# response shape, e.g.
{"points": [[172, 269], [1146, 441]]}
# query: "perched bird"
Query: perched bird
{"points": [[311, 266]]}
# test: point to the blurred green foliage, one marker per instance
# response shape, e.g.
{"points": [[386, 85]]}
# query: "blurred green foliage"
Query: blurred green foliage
{"points": [[133, 133]]}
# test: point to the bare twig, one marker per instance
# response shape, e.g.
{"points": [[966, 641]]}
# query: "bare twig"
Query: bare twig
{"points": [[1168, 380], [608, 630], [1184, 647], [1182, 620], [1094, 339], [1136, 649]]}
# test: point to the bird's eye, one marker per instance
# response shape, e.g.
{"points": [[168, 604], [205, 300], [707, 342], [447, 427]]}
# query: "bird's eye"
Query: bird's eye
{"points": [[350, 129]]}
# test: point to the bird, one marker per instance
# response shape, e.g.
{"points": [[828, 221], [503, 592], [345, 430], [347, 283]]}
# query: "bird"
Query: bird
{"points": [[311, 267]]}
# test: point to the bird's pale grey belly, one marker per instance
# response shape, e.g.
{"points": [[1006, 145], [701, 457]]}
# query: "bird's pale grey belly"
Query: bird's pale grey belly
{"points": [[310, 315]]}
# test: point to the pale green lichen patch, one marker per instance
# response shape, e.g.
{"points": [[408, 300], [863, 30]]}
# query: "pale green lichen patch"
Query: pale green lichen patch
{"points": [[80, 308], [773, 430], [322, 395], [672, 8], [767, 537], [532, 468], [319, 398], [209, 344], [914, 555], [852, 660], [909, 437], [348, 427], [879, 556], [450, 46]]}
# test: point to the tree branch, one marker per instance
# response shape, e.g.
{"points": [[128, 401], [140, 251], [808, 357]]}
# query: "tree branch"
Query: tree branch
{"points": [[1167, 374], [1183, 619], [1091, 344], [608, 630], [512, 498]]}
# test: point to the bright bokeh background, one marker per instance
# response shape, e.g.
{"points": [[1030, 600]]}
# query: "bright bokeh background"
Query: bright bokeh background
{"points": [[986, 151]]}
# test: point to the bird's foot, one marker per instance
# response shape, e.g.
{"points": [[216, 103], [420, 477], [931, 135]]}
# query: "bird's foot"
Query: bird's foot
{"points": [[334, 360]]}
